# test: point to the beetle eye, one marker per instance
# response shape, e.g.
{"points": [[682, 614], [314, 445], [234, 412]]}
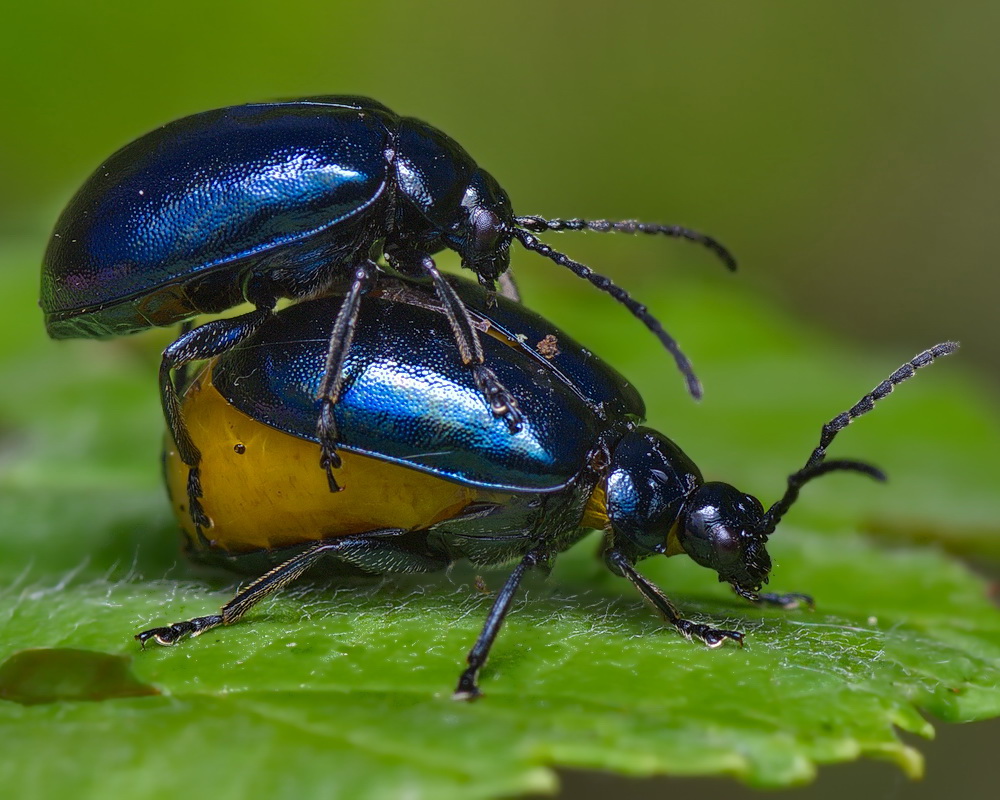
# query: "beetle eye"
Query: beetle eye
{"points": [[485, 228], [726, 545], [709, 541]]}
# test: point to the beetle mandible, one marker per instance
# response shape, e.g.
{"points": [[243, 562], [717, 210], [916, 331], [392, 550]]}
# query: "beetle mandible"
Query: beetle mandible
{"points": [[292, 199], [436, 478]]}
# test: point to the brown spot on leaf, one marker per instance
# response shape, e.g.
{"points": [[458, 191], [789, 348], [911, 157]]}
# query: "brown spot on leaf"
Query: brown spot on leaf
{"points": [[52, 675]]}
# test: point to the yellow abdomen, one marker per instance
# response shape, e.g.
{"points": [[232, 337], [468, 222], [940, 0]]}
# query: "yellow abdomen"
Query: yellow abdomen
{"points": [[264, 489]]}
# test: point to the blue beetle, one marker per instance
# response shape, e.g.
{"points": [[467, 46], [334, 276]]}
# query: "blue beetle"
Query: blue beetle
{"points": [[291, 199], [430, 476]]}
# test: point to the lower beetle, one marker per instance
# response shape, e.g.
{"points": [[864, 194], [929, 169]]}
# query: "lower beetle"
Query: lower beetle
{"points": [[430, 476], [292, 199]]}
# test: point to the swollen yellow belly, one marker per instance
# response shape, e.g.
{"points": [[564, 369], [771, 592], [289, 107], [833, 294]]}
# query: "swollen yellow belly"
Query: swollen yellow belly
{"points": [[264, 489]]}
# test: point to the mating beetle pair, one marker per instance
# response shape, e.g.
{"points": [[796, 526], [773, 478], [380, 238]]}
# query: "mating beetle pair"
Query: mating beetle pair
{"points": [[302, 199], [292, 200], [430, 476]]}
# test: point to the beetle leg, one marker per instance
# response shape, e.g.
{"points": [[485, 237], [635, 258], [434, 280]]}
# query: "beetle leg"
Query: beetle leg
{"points": [[711, 637], [370, 548], [502, 402], [205, 341], [181, 373], [333, 374], [468, 688], [788, 602]]}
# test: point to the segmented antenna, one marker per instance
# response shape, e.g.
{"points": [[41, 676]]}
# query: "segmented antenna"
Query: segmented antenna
{"points": [[606, 285], [817, 465], [540, 225]]}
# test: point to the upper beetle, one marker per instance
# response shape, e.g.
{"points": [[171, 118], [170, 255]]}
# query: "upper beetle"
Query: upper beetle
{"points": [[430, 476], [290, 199]]}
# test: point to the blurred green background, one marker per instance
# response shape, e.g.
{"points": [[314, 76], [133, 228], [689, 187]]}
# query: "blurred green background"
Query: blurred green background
{"points": [[847, 153]]}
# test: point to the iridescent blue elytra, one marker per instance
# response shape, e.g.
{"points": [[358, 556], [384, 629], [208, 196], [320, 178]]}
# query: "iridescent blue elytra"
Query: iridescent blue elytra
{"points": [[223, 188], [407, 400], [430, 476]]}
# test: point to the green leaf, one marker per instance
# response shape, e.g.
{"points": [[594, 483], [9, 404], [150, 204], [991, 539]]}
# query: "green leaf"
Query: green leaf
{"points": [[343, 690]]}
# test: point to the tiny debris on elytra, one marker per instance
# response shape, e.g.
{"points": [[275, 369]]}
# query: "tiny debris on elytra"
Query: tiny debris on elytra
{"points": [[548, 347]]}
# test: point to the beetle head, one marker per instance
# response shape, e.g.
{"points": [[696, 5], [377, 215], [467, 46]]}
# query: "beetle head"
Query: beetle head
{"points": [[483, 236], [723, 529]]}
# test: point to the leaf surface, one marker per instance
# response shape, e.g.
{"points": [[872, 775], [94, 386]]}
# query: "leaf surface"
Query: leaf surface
{"points": [[344, 690]]}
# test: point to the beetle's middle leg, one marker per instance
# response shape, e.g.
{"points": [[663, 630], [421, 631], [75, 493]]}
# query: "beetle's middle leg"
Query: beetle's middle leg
{"points": [[333, 374], [468, 685], [502, 402], [205, 341]]}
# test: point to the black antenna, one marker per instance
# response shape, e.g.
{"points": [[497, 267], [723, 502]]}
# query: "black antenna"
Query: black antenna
{"points": [[606, 285], [540, 225], [817, 465]]}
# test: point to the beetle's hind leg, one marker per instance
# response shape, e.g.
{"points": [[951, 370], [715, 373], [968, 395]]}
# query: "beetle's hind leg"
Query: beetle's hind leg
{"points": [[502, 403], [333, 374], [205, 341], [376, 551]]}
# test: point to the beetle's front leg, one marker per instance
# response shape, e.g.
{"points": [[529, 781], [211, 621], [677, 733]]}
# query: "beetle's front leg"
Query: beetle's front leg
{"points": [[333, 374], [787, 602], [205, 341], [502, 403], [709, 636]]}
